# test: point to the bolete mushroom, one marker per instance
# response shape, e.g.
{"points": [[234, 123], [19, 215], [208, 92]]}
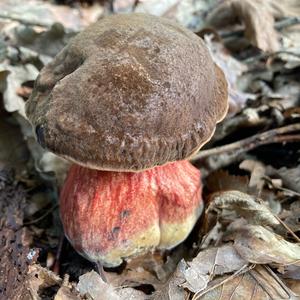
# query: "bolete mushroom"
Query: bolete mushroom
{"points": [[128, 100]]}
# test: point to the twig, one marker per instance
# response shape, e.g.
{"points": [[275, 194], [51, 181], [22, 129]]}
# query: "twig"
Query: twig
{"points": [[268, 137], [279, 25], [280, 221], [42, 216], [242, 270]]}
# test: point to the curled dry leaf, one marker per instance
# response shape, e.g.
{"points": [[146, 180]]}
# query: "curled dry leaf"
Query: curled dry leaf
{"points": [[39, 278], [259, 23], [196, 274], [290, 177], [92, 285], [233, 70], [187, 12], [45, 13], [260, 283], [16, 75], [65, 293], [245, 206], [209, 263], [221, 180], [257, 171], [257, 16], [258, 245]]}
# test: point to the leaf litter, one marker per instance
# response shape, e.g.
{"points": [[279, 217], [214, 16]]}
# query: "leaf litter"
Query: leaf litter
{"points": [[246, 245]]}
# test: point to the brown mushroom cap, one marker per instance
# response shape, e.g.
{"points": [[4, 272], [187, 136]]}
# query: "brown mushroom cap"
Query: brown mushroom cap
{"points": [[128, 93]]}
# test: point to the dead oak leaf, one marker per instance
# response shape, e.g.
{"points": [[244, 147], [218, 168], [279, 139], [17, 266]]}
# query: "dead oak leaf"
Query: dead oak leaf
{"points": [[39, 278], [91, 285], [257, 17], [195, 275], [256, 244], [209, 263], [259, 23], [260, 283]]}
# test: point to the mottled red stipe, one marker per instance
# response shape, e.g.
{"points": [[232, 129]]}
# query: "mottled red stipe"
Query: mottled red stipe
{"points": [[102, 210]]}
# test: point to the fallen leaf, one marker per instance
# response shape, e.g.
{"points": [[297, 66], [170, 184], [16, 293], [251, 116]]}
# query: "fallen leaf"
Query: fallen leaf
{"points": [[189, 13], [294, 285], [93, 286], [46, 13], [258, 245], [195, 275], [64, 293], [257, 171], [259, 23], [221, 180], [16, 76], [40, 278], [259, 283], [291, 272], [245, 206], [257, 17], [233, 70], [209, 263], [290, 177]]}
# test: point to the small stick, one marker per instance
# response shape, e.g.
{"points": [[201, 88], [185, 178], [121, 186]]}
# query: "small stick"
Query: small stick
{"points": [[268, 137], [42, 216]]}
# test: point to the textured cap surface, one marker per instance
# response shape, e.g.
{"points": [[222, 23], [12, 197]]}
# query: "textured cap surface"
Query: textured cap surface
{"points": [[128, 93]]}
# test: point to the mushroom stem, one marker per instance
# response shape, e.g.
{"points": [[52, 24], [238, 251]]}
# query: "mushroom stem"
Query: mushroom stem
{"points": [[110, 216], [101, 271]]}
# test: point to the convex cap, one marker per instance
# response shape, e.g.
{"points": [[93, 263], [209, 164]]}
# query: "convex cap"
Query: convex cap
{"points": [[128, 93]]}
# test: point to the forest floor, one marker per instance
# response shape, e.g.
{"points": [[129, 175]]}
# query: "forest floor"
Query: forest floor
{"points": [[246, 245]]}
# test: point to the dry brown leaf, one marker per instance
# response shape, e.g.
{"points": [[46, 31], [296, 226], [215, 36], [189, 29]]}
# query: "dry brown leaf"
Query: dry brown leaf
{"points": [[291, 272], [196, 274], [172, 290], [46, 13], [290, 178], [258, 245], [259, 283], [291, 216], [221, 180], [233, 69], [257, 170], [189, 13], [259, 23], [16, 76], [39, 278], [209, 263], [245, 206], [92, 285], [65, 293], [257, 16], [294, 285]]}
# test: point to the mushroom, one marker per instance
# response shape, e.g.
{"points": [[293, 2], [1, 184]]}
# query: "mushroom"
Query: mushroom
{"points": [[129, 100]]}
